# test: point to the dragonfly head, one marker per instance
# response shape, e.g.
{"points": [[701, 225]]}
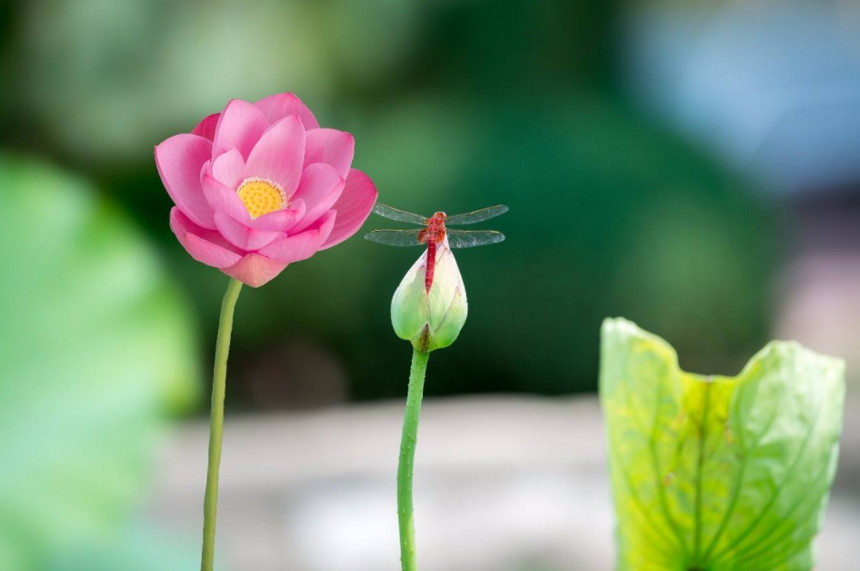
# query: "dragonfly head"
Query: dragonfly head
{"points": [[440, 216]]}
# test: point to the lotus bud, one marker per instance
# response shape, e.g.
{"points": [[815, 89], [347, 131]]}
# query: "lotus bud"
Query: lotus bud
{"points": [[430, 319]]}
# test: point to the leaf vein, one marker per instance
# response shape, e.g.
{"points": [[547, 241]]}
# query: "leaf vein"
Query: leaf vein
{"points": [[738, 485], [742, 537]]}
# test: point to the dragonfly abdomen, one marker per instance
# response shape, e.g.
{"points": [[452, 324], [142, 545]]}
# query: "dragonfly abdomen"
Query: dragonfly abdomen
{"points": [[431, 265]]}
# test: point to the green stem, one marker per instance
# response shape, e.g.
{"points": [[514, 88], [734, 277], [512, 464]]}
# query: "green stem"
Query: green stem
{"points": [[216, 422], [407, 457]]}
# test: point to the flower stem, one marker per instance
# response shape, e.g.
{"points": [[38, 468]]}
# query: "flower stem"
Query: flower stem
{"points": [[407, 456], [216, 422]]}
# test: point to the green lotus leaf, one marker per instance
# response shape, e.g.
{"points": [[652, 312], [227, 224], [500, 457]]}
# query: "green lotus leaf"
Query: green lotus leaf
{"points": [[718, 473], [95, 349]]}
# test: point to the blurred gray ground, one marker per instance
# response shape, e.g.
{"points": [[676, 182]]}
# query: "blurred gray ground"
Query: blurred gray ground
{"points": [[502, 484]]}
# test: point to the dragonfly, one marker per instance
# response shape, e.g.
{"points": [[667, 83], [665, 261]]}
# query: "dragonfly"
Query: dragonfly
{"points": [[434, 230]]}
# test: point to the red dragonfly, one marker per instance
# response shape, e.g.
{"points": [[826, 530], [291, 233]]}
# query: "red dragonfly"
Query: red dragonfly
{"points": [[435, 230]]}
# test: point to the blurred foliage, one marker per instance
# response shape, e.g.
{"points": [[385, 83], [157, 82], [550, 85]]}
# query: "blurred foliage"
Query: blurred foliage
{"points": [[718, 473], [137, 548], [455, 105], [95, 347]]}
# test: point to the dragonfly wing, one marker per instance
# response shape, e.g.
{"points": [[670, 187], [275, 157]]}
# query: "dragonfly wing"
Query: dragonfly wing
{"points": [[395, 237], [398, 215], [477, 216], [472, 238]]}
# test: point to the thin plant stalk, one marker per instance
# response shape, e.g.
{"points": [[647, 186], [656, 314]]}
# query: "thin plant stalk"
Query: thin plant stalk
{"points": [[216, 422], [407, 460]]}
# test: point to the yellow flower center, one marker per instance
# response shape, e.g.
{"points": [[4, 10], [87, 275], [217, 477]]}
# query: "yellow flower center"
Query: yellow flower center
{"points": [[261, 196]]}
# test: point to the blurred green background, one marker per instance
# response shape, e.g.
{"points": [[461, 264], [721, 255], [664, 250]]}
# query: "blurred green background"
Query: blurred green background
{"points": [[616, 208], [455, 106]]}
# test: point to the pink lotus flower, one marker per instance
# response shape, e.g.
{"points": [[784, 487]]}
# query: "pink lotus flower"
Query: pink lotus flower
{"points": [[260, 186]]}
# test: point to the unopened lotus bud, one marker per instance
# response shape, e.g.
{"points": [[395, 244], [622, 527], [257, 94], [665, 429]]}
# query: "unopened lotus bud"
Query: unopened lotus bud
{"points": [[430, 319]]}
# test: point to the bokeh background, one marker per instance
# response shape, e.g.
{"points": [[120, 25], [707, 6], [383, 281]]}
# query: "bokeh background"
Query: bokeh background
{"points": [[690, 165]]}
